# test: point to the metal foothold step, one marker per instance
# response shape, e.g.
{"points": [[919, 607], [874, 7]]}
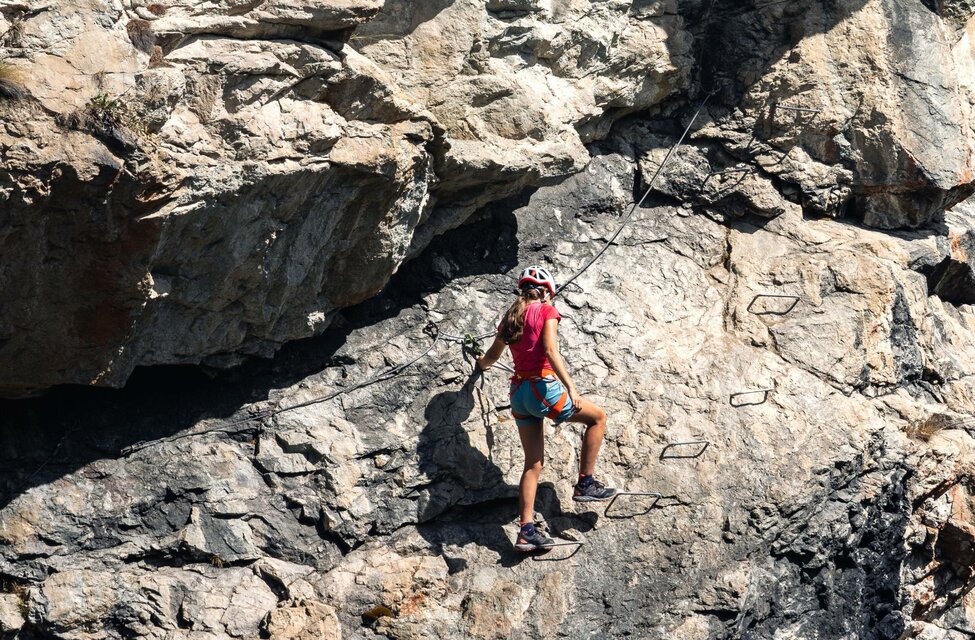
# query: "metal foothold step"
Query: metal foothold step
{"points": [[539, 555], [651, 494], [704, 444], [735, 398], [771, 312]]}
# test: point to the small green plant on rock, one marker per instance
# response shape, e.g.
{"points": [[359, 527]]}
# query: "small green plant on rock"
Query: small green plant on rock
{"points": [[157, 58], [105, 109], [111, 118], [19, 589], [14, 35]]}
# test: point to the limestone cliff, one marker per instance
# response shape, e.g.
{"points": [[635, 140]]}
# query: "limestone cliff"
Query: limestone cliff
{"points": [[188, 182], [795, 294]]}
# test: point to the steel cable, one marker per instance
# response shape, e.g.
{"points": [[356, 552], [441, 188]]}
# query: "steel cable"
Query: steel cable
{"points": [[399, 368], [637, 205]]}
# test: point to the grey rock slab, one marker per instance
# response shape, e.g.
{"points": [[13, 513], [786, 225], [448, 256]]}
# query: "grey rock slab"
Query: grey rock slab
{"points": [[11, 613], [832, 500], [396, 499], [305, 620]]}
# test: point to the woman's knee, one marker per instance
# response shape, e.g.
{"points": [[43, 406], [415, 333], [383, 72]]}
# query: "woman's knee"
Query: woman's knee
{"points": [[534, 465], [590, 415], [601, 416], [598, 416]]}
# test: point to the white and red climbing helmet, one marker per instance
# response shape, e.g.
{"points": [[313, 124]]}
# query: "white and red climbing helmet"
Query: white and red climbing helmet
{"points": [[539, 276]]}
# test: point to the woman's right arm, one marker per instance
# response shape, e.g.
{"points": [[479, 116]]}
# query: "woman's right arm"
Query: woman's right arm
{"points": [[493, 353]]}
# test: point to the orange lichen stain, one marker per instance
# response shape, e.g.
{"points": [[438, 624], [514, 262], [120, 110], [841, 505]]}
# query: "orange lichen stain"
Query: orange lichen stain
{"points": [[412, 605], [957, 249]]}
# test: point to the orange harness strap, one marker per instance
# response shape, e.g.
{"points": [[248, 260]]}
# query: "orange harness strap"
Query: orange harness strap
{"points": [[532, 377], [553, 409]]}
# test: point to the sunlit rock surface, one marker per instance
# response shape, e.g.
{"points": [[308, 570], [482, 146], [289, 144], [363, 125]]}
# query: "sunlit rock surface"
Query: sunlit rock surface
{"points": [[795, 293]]}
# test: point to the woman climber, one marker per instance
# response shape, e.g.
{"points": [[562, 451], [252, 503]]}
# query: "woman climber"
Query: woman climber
{"points": [[530, 329]]}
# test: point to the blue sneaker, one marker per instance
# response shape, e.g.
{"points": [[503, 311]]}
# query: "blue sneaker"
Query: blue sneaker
{"points": [[593, 491], [532, 540]]}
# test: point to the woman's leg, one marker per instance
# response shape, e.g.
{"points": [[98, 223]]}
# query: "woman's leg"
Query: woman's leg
{"points": [[595, 420], [533, 442]]}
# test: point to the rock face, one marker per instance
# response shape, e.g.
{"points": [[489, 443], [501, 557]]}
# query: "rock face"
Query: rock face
{"points": [[783, 337], [833, 505], [808, 92], [952, 278]]}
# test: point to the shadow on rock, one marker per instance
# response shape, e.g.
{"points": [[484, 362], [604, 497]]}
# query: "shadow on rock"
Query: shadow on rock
{"points": [[400, 18], [45, 438], [459, 475], [484, 525]]}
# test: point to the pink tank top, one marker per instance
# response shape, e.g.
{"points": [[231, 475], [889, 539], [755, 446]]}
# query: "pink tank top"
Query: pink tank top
{"points": [[528, 353]]}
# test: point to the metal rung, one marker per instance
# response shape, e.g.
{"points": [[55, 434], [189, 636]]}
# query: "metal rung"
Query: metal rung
{"points": [[705, 443], [654, 495], [730, 171], [726, 172], [800, 109], [764, 392], [881, 391], [741, 173], [539, 554], [786, 296]]}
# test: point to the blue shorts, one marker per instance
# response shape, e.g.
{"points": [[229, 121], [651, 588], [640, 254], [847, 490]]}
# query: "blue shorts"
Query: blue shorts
{"points": [[525, 402]]}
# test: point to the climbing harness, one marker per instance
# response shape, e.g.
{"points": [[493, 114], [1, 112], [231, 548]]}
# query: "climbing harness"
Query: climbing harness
{"points": [[533, 378]]}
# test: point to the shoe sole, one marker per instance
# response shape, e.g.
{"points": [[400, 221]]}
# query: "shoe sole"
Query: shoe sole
{"points": [[533, 547], [593, 499]]}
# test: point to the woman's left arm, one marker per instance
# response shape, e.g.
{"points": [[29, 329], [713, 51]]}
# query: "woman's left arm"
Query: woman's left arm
{"points": [[493, 353]]}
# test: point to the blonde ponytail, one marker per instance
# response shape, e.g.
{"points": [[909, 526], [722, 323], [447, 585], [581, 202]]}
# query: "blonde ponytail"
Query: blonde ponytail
{"points": [[513, 322]]}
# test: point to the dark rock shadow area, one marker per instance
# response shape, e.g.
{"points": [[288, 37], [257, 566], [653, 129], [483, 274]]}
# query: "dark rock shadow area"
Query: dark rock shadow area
{"points": [[47, 437]]}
